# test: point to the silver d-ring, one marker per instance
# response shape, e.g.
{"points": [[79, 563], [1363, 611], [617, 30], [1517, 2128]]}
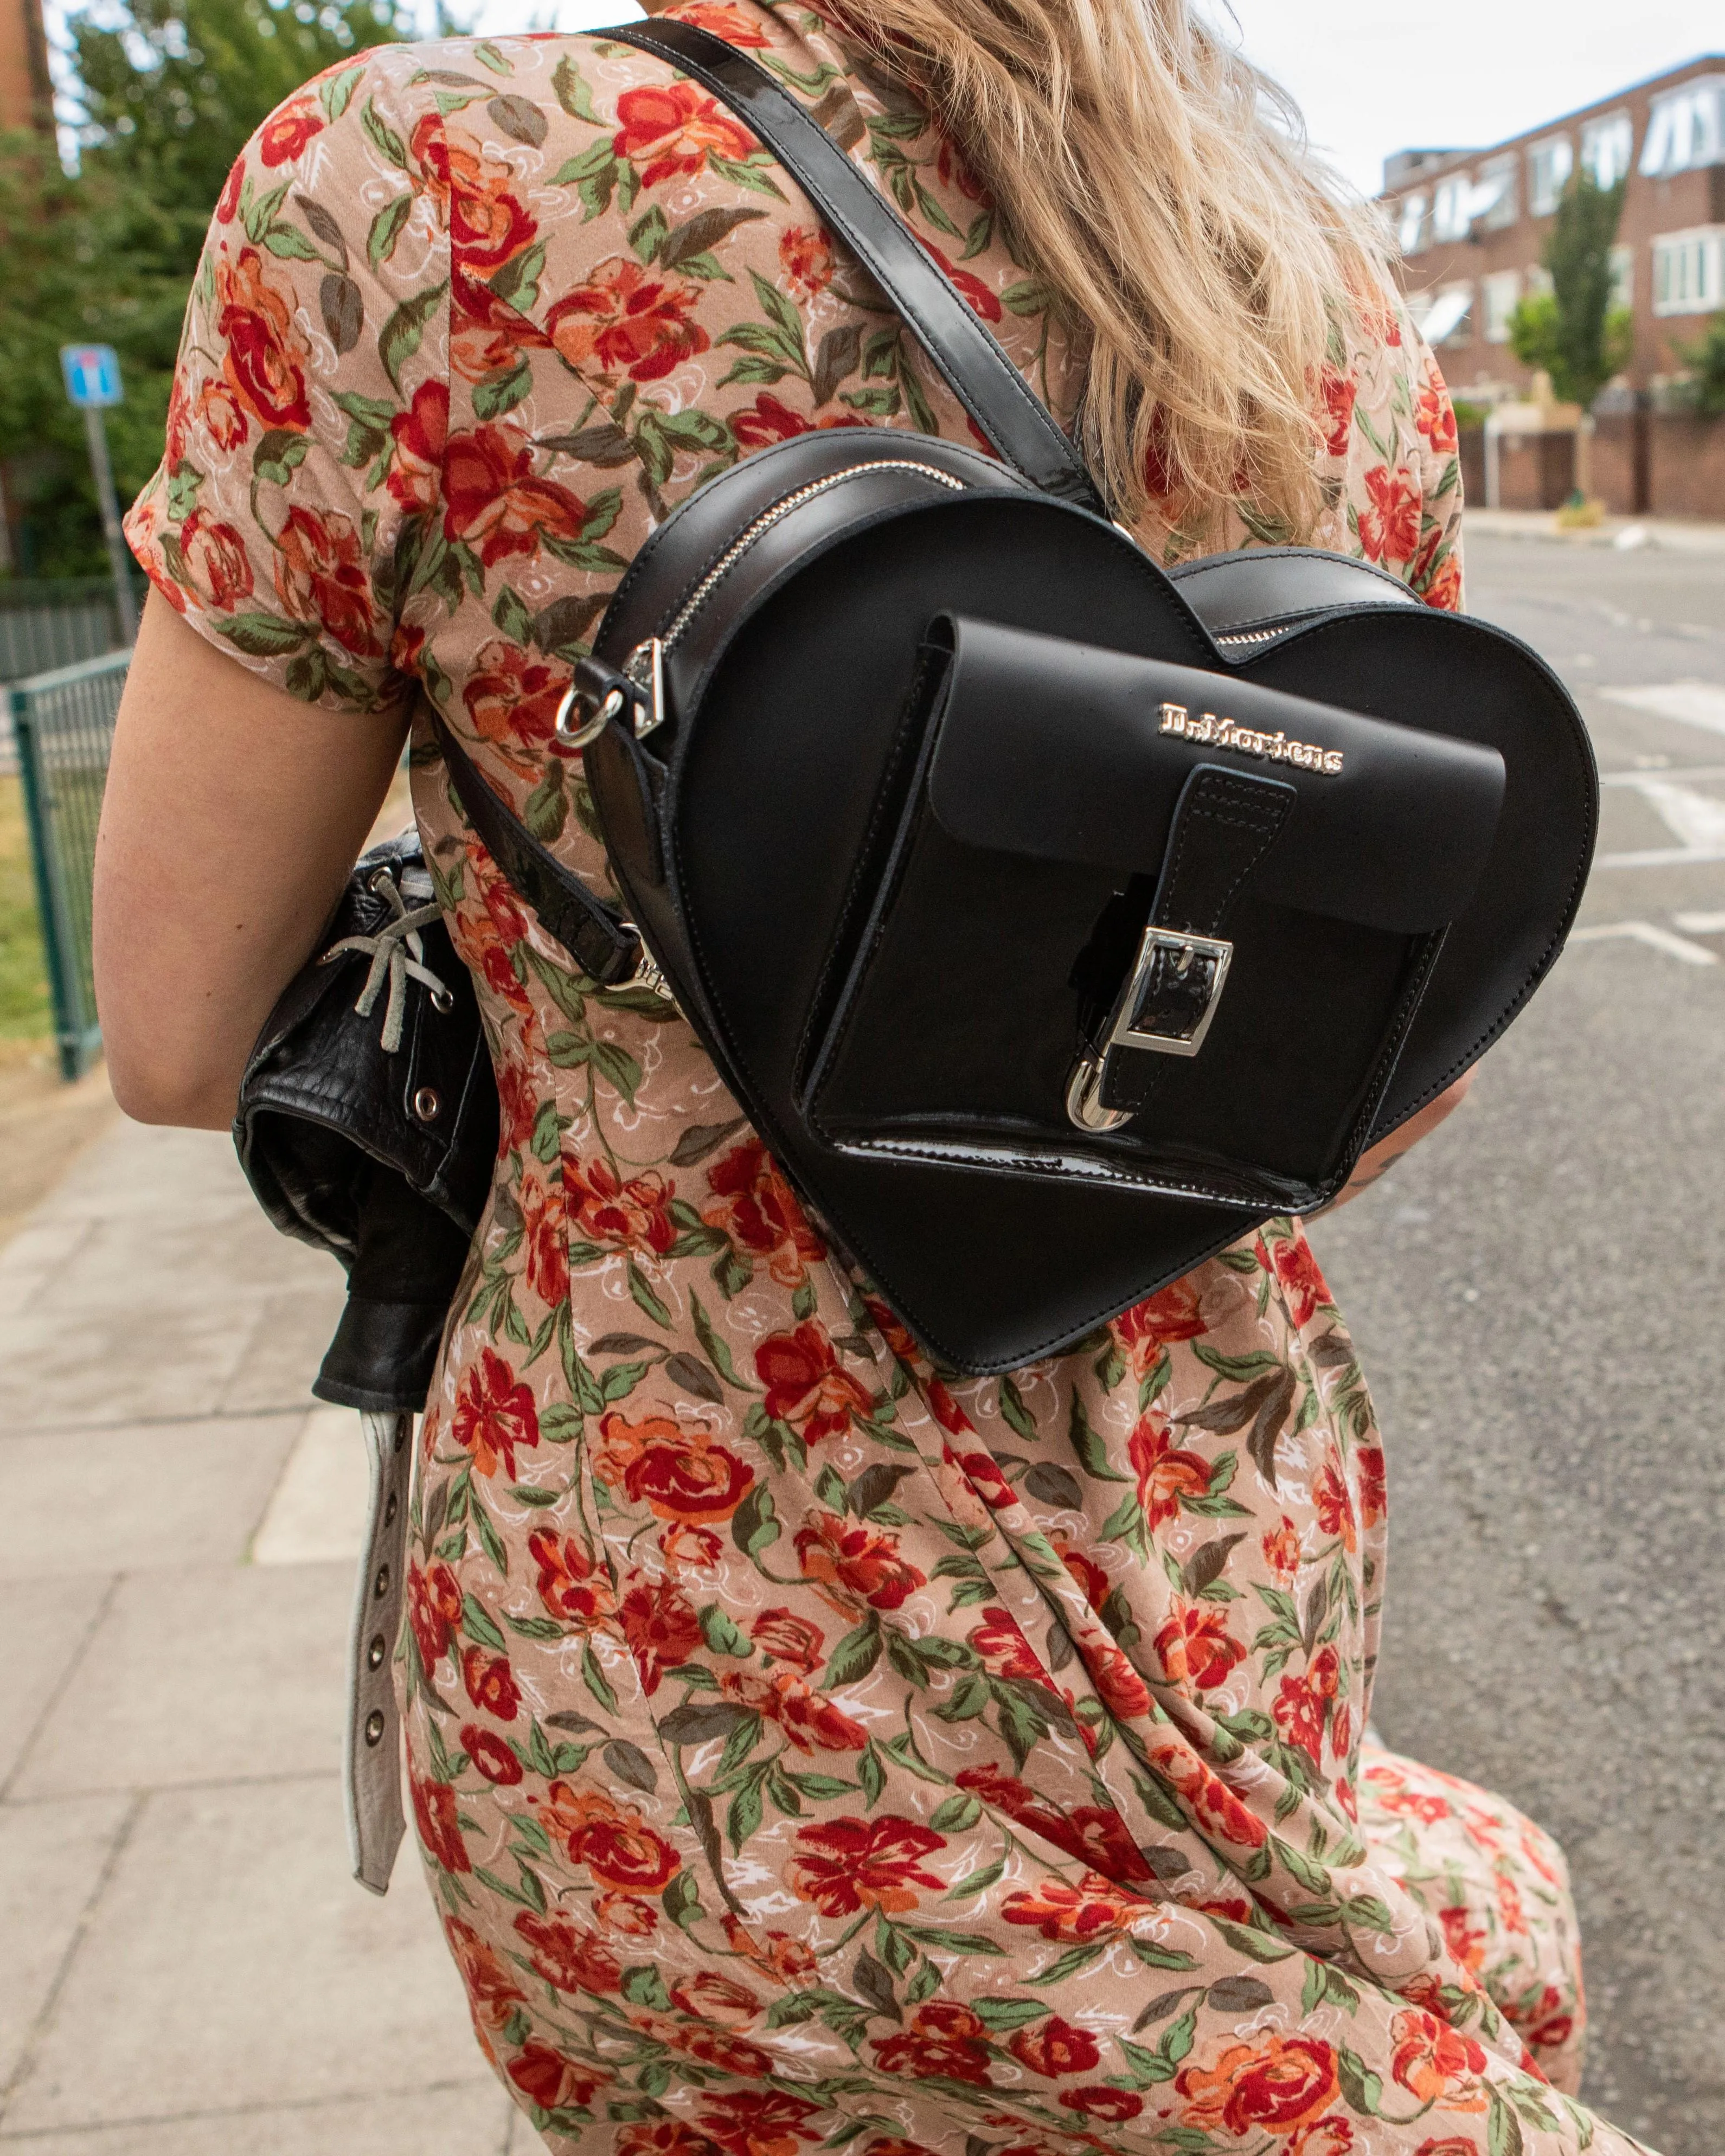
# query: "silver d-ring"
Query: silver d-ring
{"points": [[579, 736]]}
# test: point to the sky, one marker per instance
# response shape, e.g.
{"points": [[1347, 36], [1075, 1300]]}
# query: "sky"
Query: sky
{"points": [[1377, 75]]}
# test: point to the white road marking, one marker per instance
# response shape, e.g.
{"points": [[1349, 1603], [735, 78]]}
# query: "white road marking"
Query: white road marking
{"points": [[1661, 857], [1690, 703], [1662, 768], [1649, 933], [1700, 924], [1698, 819]]}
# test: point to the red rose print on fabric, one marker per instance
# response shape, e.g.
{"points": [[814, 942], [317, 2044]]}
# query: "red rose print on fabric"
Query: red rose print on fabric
{"points": [[568, 1957], [321, 577], [1272, 2083], [806, 1386], [491, 1756], [660, 1624], [1165, 1473], [287, 130], [757, 1209], [1389, 525], [495, 501], [675, 130], [495, 1416], [677, 1471], [788, 1637], [861, 1563], [214, 562], [490, 1683], [629, 318], [574, 1586], [611, 1839], [434, 1816], [263, 352], [620, 1215], [852, 1864]]}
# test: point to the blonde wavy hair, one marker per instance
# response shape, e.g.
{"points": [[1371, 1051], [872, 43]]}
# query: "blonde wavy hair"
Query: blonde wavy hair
{"points": [[1162, 189]]}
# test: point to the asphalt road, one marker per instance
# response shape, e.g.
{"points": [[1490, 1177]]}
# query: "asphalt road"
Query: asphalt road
{"points": [[1539, 1296]]}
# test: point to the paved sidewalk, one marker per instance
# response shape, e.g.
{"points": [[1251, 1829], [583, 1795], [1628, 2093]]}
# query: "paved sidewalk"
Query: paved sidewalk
{"points": [[188, 1970], [1670, 535]]}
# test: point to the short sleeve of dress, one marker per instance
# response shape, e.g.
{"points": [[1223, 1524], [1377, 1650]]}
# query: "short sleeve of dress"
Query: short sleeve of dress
{"points": [[305, 431]]}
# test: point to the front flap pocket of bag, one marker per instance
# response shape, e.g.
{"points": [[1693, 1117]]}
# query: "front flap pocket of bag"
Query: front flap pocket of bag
{"points": [[1228, 896]]}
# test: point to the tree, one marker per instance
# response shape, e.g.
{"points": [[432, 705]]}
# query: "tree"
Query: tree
{"points": [[1706, 361], [1573, 331], [170, 90]]}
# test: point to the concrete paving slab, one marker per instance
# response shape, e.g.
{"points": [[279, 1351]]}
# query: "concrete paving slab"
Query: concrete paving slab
{"points": [[463, 2120], [33, 1256], [96, 1363], [150, 1264], [317, 1513], [233, 1960], [51, 1860], [168, 1496], [43, 1624], [142, 1172], [284, 1345], [224, 1673]]}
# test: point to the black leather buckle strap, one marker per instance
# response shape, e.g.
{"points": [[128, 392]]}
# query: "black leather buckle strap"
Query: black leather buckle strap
{"points": [[972, 364], [1224, 824], [602, 943]]}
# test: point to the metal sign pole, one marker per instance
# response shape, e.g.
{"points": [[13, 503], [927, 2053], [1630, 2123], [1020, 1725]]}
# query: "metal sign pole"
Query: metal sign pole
{"points": [[92, 377], [119, 561]]}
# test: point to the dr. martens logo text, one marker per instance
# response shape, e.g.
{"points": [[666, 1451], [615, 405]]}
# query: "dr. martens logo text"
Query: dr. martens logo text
{"points": [[1246, 740]]}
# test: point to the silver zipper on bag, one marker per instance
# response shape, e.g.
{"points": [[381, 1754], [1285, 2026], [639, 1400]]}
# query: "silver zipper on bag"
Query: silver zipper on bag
{"points": [[644, 666], [1251, 635]]}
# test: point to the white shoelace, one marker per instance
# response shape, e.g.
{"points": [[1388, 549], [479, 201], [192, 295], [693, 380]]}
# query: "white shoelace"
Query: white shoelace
{"points": [[398, 955]]}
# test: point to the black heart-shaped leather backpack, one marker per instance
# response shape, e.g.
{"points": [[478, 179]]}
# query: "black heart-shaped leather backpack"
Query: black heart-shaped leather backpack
{"points": [[1054, 919]]}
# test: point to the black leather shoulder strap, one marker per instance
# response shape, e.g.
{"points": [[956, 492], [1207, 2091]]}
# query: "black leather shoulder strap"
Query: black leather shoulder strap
{"points": [[599, 941], [975, 368]]}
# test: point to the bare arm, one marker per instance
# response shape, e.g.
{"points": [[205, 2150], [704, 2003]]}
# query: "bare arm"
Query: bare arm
{"points": [[1379, 1159], [232, 814]]}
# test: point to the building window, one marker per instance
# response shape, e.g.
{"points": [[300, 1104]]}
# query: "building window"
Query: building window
{"points": [[1623, 277], [1686, 129], [1549, 164], [1496, 201], [1410, 231], [1452, 208], [1689, 271], [1608, 148], [1446, 318], [1500, 295]]}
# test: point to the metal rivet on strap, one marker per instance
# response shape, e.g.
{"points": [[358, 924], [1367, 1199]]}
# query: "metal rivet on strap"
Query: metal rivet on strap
{"points": [[374, 1725], [380, 1585], [427, 1104], [390, 1509], [376, 1652]]}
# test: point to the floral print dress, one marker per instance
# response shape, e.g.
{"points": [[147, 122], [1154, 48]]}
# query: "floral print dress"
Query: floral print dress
{"points": [[808, 1749]]}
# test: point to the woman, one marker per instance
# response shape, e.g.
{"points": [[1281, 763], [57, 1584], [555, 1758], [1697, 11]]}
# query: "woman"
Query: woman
{"points": [[807, 1750]]}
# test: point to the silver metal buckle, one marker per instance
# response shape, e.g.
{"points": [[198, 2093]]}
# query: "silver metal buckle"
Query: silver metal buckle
{"points": [[1084, 1088]]}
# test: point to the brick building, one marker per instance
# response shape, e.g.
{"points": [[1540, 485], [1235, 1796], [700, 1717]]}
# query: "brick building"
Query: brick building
{"points": [[26, 93], [1472, 224]]}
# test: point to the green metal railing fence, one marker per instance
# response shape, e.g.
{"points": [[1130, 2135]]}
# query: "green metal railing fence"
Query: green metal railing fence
{"points": [[63, 727], [55, 622]]}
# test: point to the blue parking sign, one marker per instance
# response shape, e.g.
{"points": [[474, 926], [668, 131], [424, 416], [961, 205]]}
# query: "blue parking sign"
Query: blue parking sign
{"points": [[92, 372]]}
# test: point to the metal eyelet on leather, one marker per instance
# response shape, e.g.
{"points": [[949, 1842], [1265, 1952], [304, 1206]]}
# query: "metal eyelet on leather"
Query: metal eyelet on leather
{"points": [[376, 1651], [374, 1725], [380, 1585], [428, 1104]]}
